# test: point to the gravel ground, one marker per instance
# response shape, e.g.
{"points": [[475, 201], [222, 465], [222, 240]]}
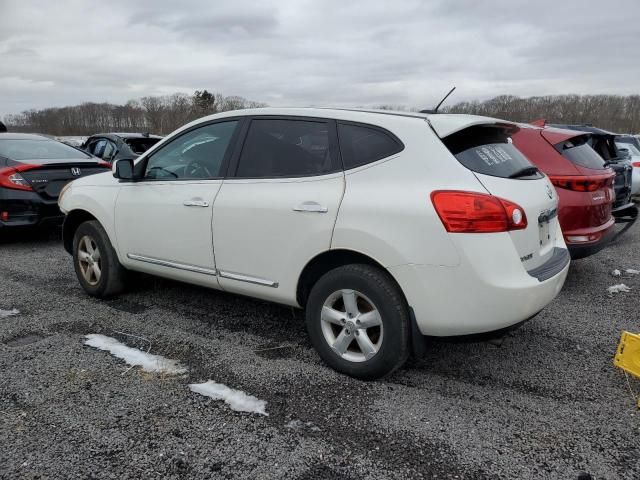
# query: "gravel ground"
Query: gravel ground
{"points": [[548, 403]]}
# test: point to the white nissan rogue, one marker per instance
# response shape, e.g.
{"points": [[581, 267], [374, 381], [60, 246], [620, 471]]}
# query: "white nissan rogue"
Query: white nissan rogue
{"points": [[383, 226]]}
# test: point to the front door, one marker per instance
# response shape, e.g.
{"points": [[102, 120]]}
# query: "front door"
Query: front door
{"points": [[279, 209], [163, 221]]}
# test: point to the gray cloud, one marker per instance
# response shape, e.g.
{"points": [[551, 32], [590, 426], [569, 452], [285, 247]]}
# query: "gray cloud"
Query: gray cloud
{"points": [[307, 52]]}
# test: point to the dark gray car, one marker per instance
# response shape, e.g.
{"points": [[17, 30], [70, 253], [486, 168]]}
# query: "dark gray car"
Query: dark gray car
{"points": [[114, 146]]}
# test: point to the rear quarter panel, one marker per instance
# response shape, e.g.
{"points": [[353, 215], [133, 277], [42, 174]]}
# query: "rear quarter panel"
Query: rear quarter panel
{"points": [[386, 211]]}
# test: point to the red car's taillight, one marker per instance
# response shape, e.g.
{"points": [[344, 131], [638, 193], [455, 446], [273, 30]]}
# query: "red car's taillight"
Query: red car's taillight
{"points": [[472, 212], [582, 183], [10, 177]]}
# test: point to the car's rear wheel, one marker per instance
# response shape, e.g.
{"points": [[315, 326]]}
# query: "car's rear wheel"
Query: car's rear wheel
{"points": [[95, 261], [358, 321]]}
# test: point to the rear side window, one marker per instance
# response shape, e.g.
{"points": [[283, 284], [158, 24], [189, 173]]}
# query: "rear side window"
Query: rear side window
{"points": [[360, 145], [579, 152], [141, 145], [286, 148], [488, 150]]}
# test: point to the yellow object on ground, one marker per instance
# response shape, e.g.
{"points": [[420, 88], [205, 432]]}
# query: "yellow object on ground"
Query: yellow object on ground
{"points": [[628, 353], [628, 358]]}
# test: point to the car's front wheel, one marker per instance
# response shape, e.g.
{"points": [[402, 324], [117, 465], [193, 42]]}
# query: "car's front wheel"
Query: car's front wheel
{"points": [[358, 321], [95, 261]]}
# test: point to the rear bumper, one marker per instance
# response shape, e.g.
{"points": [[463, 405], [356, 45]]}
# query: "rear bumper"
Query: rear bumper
{"points": [[490, 290], [27, 209], [605, 235]]}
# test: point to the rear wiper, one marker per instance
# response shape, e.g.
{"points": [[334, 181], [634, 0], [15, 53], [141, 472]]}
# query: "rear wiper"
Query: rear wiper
{"points": [[524, 172]]}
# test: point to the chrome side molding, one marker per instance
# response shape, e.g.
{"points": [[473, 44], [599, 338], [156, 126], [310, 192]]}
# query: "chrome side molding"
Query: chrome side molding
{"points": [[179, 266], [206, 271], [247, 278]]}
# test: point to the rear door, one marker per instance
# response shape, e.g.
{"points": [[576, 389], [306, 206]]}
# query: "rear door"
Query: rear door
{"points": [[591, 167], [279, 206], [486, 149]]}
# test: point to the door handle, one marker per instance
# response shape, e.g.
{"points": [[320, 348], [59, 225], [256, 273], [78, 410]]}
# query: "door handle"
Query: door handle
{"points": [[195, 202], [310, 207]]}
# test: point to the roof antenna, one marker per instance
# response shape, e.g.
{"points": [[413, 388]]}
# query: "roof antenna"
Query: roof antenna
{"points": [[435, 110]]}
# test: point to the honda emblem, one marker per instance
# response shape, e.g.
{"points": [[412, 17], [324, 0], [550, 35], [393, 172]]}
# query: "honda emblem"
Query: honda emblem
{"points": [[75, 171]]}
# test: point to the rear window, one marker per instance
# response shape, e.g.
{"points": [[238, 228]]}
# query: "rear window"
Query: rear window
{"points": [[38, 149], [141, 145], [488, 150], [579, 152]]}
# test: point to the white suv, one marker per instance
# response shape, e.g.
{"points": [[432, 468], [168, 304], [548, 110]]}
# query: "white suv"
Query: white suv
{"points": [[384, 226]]}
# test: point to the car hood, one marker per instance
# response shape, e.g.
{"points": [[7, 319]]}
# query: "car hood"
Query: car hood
{"points": [[99, 179]]}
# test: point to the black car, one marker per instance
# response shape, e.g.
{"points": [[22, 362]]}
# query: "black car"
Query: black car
{"points": [[633, 140], [33, 171], [604, 143], [114, 146]]}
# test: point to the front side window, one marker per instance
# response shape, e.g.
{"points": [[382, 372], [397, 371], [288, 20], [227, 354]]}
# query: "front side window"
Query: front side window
{"points": [[98, 148], [109, 151], [285, 148], [360, 145], [198, 154]]}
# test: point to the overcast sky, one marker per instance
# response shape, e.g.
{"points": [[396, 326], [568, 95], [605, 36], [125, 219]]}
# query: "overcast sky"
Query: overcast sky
{"points": [[318, 52]]}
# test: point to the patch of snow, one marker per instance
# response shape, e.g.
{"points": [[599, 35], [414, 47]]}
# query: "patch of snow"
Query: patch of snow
{"points": [[8, 313], [236, 399], [621, 287], [616, 273], [632, 271], [133, 356]]}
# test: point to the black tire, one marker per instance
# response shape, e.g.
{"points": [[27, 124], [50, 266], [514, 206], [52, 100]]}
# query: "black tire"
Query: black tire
{"points": [[378, 287], [112, 273]]}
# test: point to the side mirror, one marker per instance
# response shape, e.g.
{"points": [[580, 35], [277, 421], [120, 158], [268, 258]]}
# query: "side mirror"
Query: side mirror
{"points": [[123, 169]]}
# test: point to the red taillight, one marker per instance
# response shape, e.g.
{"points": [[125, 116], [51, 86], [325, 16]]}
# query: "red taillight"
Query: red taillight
{"points": [[582, 183], [636, 164], [471, 212], [102, 163], [10, 177]]}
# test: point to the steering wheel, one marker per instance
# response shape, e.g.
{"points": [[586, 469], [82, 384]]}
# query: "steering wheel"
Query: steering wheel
{"points": [[195, 169]]}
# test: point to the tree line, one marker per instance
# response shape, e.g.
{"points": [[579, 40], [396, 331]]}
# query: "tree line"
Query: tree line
{"points": [[154, 114], [163, 114], [620, 114]]}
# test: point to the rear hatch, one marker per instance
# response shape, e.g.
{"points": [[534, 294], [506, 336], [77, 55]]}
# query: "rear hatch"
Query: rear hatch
{"points": [[592, 180], [47, 177], [484, 146]]}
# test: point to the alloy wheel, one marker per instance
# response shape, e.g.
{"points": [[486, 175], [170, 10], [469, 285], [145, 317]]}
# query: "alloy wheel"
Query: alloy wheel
{"points": [[89, 260], [352, 325]]}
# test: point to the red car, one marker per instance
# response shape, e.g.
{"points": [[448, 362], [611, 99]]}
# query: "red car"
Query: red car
{"points": [[583, 183]]}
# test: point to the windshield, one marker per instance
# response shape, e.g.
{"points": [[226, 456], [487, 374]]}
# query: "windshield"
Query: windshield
{"points": [[38, 149], [579, 152], [488, 150]]}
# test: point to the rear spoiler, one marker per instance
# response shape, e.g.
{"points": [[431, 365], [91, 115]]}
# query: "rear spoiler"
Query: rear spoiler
{"points": [[448, 124]]}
